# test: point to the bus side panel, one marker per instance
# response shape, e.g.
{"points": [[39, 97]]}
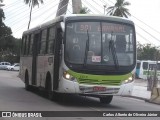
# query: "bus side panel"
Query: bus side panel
{"points": [[26, 64], [44, 65], [40, 70]]}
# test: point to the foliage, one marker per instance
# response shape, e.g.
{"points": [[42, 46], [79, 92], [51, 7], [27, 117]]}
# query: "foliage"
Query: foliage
{"points": [[33, 2], [5, 33], [119, 9], [2, 17], [147, 52], [11, 50], [84, 10], [9, 46]]}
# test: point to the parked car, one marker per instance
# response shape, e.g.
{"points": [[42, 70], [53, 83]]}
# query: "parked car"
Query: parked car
{"points": [[13, 67], [3, 65]]}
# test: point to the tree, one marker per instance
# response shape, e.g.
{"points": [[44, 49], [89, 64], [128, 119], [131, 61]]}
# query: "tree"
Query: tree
{"points": [[9, 46], [119, 9], [84, 10], [2, 17], [4, 30], [147, 52], [32, 3]]}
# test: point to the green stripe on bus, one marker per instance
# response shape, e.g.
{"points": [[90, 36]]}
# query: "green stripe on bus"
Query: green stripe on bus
{"points": [[99, 79], [146, 72]]}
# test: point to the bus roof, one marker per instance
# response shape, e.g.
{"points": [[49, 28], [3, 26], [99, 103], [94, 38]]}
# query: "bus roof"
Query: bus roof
{"points": [[79, 17], [98, 17]]}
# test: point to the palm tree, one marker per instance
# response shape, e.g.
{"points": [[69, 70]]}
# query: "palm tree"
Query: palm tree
{"points": [[32, 3], [84, 10], [119, 9]]}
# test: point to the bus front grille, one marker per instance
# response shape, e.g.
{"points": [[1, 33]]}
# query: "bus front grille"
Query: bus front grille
{"points": [[99, 82]]}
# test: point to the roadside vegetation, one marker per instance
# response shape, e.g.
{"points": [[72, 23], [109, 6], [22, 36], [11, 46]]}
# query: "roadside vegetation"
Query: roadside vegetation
{"points": [[9, 45]]}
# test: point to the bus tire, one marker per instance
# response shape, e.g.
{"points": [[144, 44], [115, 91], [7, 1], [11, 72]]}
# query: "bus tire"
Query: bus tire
{"points": [[106, 99], [51, 95], [27, 86]]}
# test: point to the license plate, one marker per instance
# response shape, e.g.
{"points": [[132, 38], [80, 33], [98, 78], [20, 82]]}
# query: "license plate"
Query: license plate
{"points": [[98, 88]]}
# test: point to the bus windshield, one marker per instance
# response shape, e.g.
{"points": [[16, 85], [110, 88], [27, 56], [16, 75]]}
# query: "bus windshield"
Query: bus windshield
{"points": [[99, 43]]}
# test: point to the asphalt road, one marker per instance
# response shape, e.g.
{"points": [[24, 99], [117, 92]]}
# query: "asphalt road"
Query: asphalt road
{"points": [[13, 97]]}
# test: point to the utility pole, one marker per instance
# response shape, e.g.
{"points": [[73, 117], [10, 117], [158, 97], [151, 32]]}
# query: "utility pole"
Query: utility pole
{"points": [[77, 6], [62, 8]]}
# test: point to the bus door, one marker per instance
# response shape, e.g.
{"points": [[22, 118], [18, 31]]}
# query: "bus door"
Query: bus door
{"points": [[138, 69], [34, 58], [57, 56]]}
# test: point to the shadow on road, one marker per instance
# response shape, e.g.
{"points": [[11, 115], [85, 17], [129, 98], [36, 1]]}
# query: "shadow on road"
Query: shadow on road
{"points": [[79, 101], [72, 100]]}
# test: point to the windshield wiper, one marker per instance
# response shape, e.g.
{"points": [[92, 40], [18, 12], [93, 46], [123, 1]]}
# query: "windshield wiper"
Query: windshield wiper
{"points": [[86, 49], [113, 50]]}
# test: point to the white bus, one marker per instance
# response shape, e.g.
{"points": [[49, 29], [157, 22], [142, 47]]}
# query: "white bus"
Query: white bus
{"points": [[146, 68], [80, 54]]}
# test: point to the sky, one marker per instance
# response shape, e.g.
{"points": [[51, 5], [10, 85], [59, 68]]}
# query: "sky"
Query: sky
{"points": [[145, 15]]}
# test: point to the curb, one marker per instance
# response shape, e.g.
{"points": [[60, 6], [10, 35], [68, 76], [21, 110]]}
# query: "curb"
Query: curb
{"points": [[155, 96], [146, 100], [140, 98], [151, 102]]}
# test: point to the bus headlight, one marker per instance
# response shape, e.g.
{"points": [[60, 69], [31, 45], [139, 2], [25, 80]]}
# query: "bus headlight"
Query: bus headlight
{"points": [[67, 76], [129, 80]]}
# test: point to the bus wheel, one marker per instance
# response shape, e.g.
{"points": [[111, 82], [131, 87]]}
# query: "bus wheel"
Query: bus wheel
{"points": [[51, 95], [106, 99], [48, 88], [49, 92], [27, 86]]}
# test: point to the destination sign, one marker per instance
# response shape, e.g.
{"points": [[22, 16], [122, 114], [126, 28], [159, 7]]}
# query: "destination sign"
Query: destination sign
{"points": [[94, 27]]}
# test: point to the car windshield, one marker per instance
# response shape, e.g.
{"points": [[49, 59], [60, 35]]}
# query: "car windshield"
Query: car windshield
{"points": [[99, 43]]}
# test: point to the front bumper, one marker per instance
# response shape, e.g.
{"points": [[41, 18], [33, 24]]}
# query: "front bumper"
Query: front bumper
{"points": [[67, 86]]}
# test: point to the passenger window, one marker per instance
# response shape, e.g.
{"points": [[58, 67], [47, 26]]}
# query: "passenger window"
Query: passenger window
{"points": [[43, 41], [31, 44], [24, 49], [145, 65], [22, 45], [27, 46], [51, 40]]}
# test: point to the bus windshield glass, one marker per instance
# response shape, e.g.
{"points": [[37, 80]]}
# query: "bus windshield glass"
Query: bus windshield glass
{"points": [[99, 43]]}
